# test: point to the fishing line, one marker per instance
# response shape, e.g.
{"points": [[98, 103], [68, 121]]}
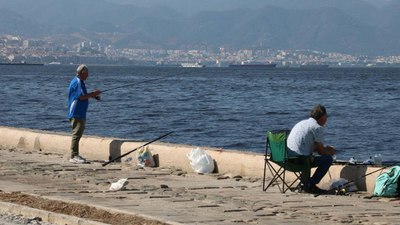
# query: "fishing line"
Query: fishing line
{"points": [[132, 84], [98, 98]]}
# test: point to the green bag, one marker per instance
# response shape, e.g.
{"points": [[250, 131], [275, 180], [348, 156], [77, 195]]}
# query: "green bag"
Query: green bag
{"points": [[387, 184]]}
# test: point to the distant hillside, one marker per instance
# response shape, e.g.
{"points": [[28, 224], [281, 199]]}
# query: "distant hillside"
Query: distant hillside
{"points": [[348, 26], [196, 6], [14, 23]]}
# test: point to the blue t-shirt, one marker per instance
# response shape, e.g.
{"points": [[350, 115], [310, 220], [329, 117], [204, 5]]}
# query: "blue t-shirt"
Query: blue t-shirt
{"points": [[77, 108]]}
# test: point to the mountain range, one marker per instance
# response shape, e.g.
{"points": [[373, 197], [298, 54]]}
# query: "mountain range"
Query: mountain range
{"points": [[355, 27]]}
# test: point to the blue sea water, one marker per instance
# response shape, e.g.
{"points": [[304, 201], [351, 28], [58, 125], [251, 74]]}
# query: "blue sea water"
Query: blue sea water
{"points": [[229, 108]]}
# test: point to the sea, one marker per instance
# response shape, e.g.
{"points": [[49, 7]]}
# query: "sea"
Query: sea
{"points": [[227, 108]]}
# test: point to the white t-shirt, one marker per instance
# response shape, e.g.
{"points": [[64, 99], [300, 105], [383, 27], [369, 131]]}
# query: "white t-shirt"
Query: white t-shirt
{"points": [[303, 136]]}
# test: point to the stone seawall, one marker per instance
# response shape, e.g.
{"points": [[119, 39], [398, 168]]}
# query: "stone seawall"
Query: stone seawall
{"points": [[227, 161]]}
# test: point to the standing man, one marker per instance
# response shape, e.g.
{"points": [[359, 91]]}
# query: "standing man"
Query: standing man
{"points": [[306, 138], [78, 102]]}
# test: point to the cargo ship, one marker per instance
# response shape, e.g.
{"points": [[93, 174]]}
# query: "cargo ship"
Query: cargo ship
{"points": [[21, 64]]}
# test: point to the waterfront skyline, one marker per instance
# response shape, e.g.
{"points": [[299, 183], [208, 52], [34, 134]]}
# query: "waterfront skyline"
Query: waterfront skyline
{"points": [[14, 49]]}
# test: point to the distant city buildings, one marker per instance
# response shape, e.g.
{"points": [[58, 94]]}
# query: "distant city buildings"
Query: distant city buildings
{"points": [[14, 49]]}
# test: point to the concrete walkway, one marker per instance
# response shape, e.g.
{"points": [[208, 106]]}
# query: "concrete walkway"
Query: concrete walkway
{"points": [[174, 196]]}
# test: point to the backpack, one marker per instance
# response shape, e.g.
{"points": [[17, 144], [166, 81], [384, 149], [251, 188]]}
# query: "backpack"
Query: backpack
{"points": [[387, 183]]}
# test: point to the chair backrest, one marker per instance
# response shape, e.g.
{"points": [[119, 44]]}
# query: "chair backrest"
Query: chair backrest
{"points": [[276, 143]]}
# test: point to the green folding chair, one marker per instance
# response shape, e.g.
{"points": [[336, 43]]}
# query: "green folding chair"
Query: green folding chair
{"points": [[276, 153]]}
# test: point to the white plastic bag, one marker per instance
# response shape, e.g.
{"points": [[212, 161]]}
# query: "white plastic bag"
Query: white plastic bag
{"points": [[145, 158], [200, 161], [119, 185]]}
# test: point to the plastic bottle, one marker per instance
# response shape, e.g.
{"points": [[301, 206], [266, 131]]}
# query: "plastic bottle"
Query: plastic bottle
{"points": [[378, 159], [353, 160], [128, 159], [369, 161]]}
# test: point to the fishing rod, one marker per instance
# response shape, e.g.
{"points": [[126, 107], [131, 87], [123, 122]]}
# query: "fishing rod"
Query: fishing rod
{"points": [[132, 84], [339, 190], [112, 160]]}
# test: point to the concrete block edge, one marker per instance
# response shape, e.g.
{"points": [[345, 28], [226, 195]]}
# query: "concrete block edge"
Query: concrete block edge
{"points": [[49, 217]]}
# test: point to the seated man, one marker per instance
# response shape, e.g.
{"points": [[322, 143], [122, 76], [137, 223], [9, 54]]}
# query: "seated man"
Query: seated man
{"points": [[305, 138]]}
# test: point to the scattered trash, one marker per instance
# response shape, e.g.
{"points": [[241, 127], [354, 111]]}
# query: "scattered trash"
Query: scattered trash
{"points": [[369, 161], [128, 159], [200, 161], [378, 159], [119, 185], [145, 158], [338, 184], [352, 160]]}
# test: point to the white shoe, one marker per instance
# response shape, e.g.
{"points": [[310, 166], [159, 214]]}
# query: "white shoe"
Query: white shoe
{"points": [[77, 159]]}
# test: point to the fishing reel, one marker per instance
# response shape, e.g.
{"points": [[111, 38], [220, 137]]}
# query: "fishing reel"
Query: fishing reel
{"points": [[98, 98], [340, 190]]}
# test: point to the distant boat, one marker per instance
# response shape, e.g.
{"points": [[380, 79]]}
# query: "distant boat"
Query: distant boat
{"points": [[314, 66], [193, 65], [261, 65], [54, 63]]}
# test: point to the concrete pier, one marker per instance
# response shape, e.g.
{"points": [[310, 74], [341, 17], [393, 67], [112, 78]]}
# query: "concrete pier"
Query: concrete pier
{"points": [[244, 164], [34, 168]]}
